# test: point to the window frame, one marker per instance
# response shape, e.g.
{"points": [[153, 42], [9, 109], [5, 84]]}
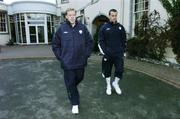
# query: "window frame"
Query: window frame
{"points": [[64, 1], [140, 12], [5, 22]]}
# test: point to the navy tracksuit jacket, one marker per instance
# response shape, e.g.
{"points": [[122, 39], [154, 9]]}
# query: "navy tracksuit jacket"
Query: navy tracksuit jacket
{"points": [[112, 42], [72, 45], [112, 39]]}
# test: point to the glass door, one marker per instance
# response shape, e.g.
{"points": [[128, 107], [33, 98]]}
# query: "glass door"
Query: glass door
{"points": [[36, 33], [40, 34], [32, 33]]}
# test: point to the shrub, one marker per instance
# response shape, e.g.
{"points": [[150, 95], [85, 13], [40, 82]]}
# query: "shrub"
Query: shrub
{"points": [[151, 39]]}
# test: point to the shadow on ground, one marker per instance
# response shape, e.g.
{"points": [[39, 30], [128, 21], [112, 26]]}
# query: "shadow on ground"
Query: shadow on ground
{"points": [[34, 89]]}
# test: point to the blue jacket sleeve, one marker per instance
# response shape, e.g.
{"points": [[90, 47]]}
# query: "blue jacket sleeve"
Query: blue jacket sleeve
{"points": [[101, 43], [56, 45], [89, 43]]}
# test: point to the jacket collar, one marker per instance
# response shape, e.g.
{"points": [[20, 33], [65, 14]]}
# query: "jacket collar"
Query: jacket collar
{"points": [[76, 22], [113, 23]]}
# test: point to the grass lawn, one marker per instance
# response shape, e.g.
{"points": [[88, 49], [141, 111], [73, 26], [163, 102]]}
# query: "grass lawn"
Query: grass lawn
{"points": [[34, 89]]}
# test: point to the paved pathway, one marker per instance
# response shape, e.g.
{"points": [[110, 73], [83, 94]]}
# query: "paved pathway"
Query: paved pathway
{"points": [[34, 89], [31, 51], [164, 73]]}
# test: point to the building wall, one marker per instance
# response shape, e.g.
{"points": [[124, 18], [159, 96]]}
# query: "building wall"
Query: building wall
{"points": [[127, 16], [156, 5], [4, 38], [102, 8], [32, 6], [77, 4], [3, 6]]}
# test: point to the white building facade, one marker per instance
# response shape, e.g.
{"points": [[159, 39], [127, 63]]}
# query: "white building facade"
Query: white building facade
{"points": [[23, 21], [129, 11], [28, 22], [34, 22]]}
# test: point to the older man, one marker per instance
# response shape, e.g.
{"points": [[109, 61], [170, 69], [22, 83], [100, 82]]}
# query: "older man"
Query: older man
{"points": [[72, 45]]}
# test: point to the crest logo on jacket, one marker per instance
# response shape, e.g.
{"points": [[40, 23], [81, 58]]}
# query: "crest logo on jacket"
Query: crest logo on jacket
{"points": [[119, 28], [65, 32], [107, 29], [80, 31]]}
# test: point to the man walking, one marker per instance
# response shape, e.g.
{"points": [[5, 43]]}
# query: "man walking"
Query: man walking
{"points": [[72, 45], [112, 44]]}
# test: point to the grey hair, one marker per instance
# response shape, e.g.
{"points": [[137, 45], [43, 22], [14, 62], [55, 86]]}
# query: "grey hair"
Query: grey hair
{"points": [[69, 9]]}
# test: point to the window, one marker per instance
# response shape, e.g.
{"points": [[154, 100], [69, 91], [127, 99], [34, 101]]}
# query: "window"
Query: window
{"points": [[3, 22], [20, 28], [140, 12], [50, 26], [141, 7], [12, 28], [64, 1]]}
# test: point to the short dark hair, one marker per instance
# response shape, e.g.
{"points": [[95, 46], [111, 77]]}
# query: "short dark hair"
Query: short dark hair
{"points": [[112, 10]]}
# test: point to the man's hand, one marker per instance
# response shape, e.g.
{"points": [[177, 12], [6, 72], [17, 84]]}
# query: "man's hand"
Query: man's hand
{"points": [[125, 55]]}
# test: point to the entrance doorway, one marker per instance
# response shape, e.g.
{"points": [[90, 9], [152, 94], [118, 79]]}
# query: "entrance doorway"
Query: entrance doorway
{"points": [[37, 34], [96, 24]]}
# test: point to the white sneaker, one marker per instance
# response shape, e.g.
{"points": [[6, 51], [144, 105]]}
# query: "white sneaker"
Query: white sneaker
{"points": [[117, 88], [75, 109], [108, 90]]}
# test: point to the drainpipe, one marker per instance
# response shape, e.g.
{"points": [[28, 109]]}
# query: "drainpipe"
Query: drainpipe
{"points": [[130, 18], [122, 12]]}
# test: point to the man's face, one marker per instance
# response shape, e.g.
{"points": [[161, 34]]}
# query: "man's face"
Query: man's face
{"points": [[113, 17], [71, 16]]}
